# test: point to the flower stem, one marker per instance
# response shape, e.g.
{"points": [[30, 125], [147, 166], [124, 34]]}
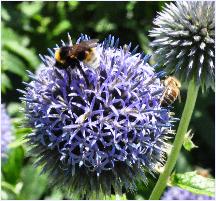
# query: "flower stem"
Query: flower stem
{"points": [[192, 93]]}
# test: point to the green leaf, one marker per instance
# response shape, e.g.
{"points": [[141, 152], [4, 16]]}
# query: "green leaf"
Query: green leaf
{"points": [[34, 184], [44, 23], [55, 195], [30, 8], [5, 82], [12, 168], [130, 9], [111, 197], [73, 5], [5, 195], [117, 197], [9, 34], [5, 15], [13, 109], [104, 25], [23, 52], [188, 144], [130, 5], [194, 183], [17, 143], [60, 7], [13, 64], [23, 131], [19, 130], [61, 27], [8, 191]]}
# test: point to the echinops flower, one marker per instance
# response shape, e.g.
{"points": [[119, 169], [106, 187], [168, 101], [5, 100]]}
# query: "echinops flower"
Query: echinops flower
{"points": [[6, 132], [175, 193], [94, 139], [184, 40]]}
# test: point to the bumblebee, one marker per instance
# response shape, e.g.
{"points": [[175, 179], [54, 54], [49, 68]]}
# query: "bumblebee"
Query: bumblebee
{"points": [[171, 91], [72, 55]]}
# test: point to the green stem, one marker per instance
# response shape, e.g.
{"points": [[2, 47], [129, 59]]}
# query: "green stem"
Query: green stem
{"points": [[179, 139]]}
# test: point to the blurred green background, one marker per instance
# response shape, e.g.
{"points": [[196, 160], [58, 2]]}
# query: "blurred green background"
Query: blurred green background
{"points": [[29, 28]]}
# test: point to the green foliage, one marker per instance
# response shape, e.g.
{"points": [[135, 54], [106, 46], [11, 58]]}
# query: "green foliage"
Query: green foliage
{"points": [[30, 186], [5, 83], [55, 195], [16, 56], [29, 28], [117, 197], [32, 182], [188, 144], [13, 109], [194, 183], [12, 168], [10, 192]]}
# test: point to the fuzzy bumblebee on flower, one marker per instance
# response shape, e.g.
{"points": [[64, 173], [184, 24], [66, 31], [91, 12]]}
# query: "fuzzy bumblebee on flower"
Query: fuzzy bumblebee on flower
{"points": [[96, 115]]}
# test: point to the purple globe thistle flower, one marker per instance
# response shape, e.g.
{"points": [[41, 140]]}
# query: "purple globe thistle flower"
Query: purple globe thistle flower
{"points": [[92, 139], [175, 193], [6, 133], [184, 42]]}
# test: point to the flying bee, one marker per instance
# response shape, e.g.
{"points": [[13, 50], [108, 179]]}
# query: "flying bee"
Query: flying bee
{"points": [[72, 55], [171, 91]]}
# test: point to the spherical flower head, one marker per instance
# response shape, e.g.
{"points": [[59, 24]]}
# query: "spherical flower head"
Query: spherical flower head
{"points": [[175, 193], [102, 136], [6, 133], [184, 40]]}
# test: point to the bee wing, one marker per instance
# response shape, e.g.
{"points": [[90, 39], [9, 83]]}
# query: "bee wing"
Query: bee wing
{"points": [[163, 95], [83, 45], [89, 43]]}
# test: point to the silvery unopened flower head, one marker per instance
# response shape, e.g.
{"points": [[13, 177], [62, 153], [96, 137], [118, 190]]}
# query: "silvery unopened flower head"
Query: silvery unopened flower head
{"points": [[102, 136], [175, 193], [6, 133], [184, 41]]}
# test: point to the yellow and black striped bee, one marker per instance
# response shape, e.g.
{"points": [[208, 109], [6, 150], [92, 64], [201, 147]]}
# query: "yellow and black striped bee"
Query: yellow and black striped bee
{"points": [[70, 56], [171, 91]]}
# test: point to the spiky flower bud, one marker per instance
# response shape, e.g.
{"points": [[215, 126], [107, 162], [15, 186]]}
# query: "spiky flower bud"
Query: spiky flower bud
{"points": [[6, 133], [184, 41], [102, 136], [175, 193]]}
